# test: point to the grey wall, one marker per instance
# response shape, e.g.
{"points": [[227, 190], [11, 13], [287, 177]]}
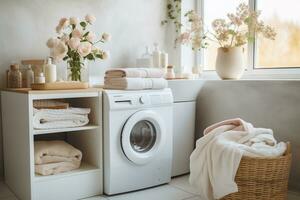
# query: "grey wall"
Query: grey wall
{"points": [[270, 104], [25, 26]]}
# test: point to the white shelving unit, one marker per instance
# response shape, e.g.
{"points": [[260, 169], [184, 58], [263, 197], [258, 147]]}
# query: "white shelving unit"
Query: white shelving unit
{"points": [[18, 142]]}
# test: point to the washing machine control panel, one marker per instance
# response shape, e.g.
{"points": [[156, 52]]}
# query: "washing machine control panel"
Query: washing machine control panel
{"points": [[140, 99], [143, 100]]}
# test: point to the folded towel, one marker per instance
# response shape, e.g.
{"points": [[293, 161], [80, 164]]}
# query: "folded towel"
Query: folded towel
{"points": [[135, 73], [135, 83], [56, 168], [215, 160], [60, 118], [53, 157]]}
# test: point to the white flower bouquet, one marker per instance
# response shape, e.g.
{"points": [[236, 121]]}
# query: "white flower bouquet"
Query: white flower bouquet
{"points": [[75, 44], [235, 31]]}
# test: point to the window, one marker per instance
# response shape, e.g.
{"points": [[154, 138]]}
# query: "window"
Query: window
{"points": [[285, 50], [212, 10], [284, 16]]}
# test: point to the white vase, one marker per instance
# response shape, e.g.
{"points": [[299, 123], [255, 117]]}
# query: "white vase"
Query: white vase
{"points": [[230, 63]]}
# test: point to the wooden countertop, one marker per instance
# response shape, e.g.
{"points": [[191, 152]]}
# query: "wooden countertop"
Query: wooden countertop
{"points": [[30, 91]]}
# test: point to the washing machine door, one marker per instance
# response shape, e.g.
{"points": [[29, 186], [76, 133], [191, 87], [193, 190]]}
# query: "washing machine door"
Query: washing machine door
{"points": [[143, 136]]}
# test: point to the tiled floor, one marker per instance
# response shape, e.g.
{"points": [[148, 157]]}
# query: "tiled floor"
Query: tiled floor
{"points": [[178, 189]]}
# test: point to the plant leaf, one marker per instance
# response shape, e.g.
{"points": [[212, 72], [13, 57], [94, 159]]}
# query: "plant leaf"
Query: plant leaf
{"points": [[83, 24], [232, 32], [86, 34], [90, 57], [99, 56]]}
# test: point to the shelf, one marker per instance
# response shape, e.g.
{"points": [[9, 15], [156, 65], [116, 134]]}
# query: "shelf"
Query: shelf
{"points": [[81, 183], [60, 130], [84, 169]]}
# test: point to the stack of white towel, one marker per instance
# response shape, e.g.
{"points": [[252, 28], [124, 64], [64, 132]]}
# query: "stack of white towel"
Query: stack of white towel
{"points": [[60, 118], [53, 157], [218, 153], [135, 79]]}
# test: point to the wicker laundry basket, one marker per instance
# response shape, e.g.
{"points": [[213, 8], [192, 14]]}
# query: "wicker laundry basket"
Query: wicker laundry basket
{"points": [[262, 178]]}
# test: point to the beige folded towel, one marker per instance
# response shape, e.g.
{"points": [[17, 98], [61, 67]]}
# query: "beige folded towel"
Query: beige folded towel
{"points": [[135, 83], [135, 73], [53, 157]]}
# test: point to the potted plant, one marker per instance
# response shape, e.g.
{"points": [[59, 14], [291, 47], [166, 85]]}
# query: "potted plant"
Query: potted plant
{"points": [[231, 34], [76, 44]]}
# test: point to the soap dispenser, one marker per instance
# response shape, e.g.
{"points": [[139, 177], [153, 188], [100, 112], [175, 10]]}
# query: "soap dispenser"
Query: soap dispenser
{"points": [[50, 71], [156, 56]]}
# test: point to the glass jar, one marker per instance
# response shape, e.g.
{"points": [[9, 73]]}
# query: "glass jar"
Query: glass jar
{"points": [[14, 77], [170, 72]]}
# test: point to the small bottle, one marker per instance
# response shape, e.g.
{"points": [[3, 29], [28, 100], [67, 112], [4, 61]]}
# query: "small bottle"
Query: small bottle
{"points": [[146, 60], [170, 72], [147, 54], [50, 71], [40, 78], [164, 60], [14, 77], [29, 77], [156, 56], [197, 71]]}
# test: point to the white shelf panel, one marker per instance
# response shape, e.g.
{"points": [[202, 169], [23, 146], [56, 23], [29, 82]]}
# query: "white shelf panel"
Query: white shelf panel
{"points": [[60, 130], [84, 169]]}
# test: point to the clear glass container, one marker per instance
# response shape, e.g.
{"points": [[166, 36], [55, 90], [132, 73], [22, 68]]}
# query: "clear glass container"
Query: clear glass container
{"points": [[14, 77]]}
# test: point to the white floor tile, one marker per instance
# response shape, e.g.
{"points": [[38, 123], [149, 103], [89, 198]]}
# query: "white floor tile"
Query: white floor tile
{"points": [[165, 192], [182, 183], [95, 198], [4, 191], [178, 189], [194, 198], [291, 196]]}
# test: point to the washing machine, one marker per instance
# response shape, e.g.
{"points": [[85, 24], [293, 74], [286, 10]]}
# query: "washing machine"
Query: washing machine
{"points": [[137, 139]]}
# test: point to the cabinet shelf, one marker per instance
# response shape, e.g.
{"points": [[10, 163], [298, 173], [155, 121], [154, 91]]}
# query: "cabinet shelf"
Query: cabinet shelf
{"points": [[83, 169], [19, 139], [61, 130]]}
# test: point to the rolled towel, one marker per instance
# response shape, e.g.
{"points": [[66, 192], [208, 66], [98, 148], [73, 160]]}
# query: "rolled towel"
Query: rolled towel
{"points": [[135, 83], [135, 73], [60, 118], [53, 157]]}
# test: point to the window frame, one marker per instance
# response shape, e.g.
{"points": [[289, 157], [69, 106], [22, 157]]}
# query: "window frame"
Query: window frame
{"points": [[251, 72]]}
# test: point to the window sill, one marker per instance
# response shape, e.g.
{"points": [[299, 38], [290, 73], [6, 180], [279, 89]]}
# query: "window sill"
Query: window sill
{"points": [[257, 75]]}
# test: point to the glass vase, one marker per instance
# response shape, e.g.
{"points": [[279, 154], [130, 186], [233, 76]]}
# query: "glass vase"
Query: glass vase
{"points": [[78, 70]]}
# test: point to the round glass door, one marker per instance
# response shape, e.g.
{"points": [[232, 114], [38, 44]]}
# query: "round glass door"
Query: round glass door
{"points": [[142, 136]]}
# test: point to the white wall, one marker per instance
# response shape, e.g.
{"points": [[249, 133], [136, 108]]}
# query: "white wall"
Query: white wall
{"points": [[269, 104], [25, 25]]}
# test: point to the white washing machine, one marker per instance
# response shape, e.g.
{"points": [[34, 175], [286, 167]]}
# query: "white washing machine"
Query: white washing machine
{"points": [[137, 139]]}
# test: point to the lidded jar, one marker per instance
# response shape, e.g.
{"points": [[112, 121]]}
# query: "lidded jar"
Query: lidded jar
{"points": [[14, 77], [170, 72]]}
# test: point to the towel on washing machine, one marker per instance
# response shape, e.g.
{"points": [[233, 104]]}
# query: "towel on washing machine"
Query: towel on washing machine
{"points": [[135, 83], [135, 73]]}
